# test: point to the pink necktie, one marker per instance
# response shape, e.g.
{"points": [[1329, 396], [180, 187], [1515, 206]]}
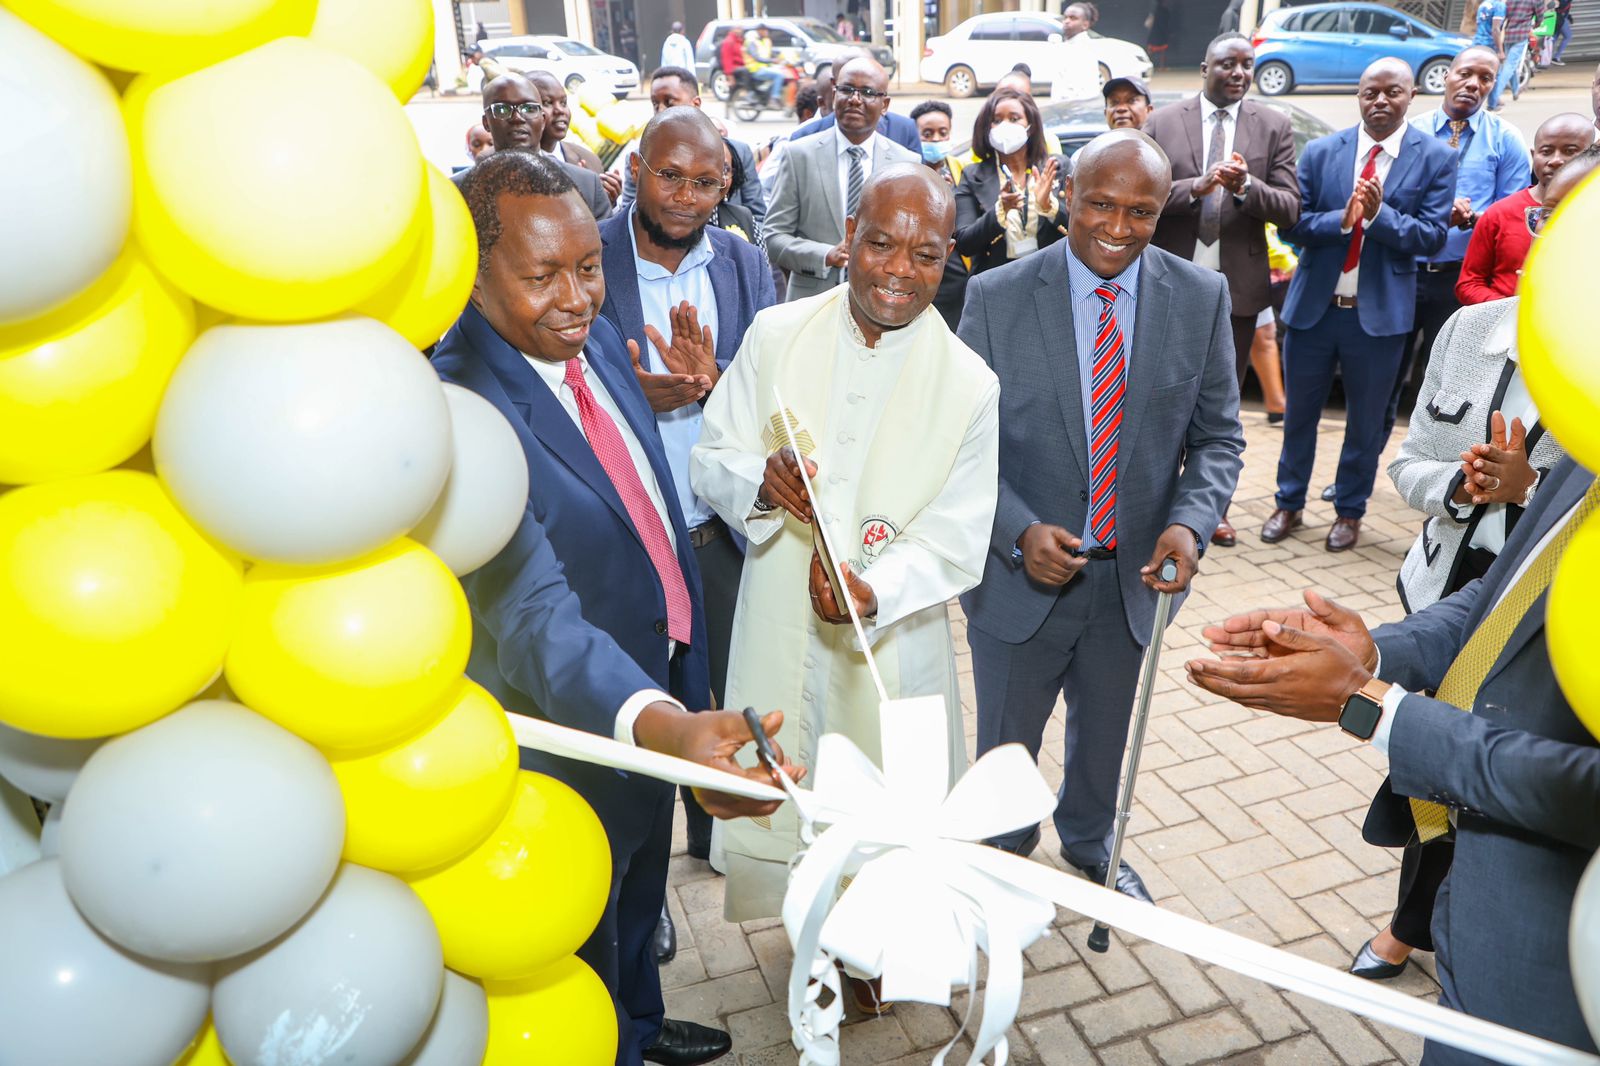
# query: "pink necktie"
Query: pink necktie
{"points": [[613, 454], [1108, 382]]}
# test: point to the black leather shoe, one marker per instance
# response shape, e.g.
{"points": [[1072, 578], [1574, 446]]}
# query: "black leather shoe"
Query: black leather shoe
{"points": [[666, 938], [1330, 493], [700, 849], [1129, 883], [1370, 965], [687, 1044], [1024, 848], [1274, 418]]}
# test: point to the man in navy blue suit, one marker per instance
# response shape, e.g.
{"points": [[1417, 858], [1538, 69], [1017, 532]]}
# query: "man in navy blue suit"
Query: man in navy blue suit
{"points": [[591, 616], [1373, 200], [683, 292]]}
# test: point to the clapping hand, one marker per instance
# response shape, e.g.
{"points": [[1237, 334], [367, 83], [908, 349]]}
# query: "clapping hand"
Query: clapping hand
{"points": [[1499, 471], [691, 350], [1232, 173], [1010, 197], [667, 392], [1044, 185], [1243, 635]]}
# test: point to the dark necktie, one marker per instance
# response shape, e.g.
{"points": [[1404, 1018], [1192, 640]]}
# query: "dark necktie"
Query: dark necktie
{"points": [[1211, 205], [1352, 258], [857, 178], [1108, 381]]}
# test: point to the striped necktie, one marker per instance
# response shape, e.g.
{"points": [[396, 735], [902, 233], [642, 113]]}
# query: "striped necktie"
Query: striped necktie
{"points": [[1108, 381], [857, 178], [1482, 650]]}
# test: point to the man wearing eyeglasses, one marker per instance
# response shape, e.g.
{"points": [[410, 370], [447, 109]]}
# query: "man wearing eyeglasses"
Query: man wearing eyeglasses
{"points": [[822, 178], [682, 293], [514, 114]]}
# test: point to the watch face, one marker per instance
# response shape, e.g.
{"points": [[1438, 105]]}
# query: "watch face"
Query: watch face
{"points": [[1360, 716]]}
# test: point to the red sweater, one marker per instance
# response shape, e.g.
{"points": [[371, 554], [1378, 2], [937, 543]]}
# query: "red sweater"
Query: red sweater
{"points": [[1500, 242]]}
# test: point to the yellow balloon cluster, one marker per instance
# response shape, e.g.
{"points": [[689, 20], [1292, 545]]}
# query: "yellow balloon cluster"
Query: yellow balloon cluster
{"points": [[1560, 358], [275, 178]]}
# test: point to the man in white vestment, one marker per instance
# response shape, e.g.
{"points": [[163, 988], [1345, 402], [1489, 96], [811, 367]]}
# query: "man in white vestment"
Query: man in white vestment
{"points": [[897, 419]]}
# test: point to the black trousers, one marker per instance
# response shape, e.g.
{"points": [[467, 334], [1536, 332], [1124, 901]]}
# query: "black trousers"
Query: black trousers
{"points": [[1422, 870], [720, 565], [1436, 302]]}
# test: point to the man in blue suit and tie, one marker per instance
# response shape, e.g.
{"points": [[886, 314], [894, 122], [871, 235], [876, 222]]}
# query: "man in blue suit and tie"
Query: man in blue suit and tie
{"points": [[591, 616], [682, 293], [1373, 200]]}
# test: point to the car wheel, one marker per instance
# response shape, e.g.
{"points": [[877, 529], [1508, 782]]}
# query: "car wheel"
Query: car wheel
{"points": [[721, 86], [1431, 80], [574, 83], [1274, 78], [1105, 74], [960, 82]]}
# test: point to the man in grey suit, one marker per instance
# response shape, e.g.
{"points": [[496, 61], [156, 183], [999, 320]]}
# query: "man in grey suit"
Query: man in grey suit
{"points": [[1120, 446], [821, 180], [514, 114], [1519, 774]]}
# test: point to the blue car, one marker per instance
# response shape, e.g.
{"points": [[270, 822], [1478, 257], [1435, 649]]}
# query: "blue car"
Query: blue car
{"points": [[1331, 44]]}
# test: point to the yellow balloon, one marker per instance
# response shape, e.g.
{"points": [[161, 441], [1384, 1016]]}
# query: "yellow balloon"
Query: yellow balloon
{"points": [[170, 36], [561, 1016], [582, 126], [529, 894], [1559, 350], [355, 655], [431, 290], [280, 185], [206, 1049], [430, 799], [1569, 622], [391, 38], [624, 121], [82, 396], [113, 609]]}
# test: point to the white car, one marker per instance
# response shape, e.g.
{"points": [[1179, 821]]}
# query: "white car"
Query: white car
{"points": [[574, 62], [984, 48]]}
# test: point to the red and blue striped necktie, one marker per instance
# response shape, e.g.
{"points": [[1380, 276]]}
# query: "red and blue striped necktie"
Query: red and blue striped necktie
{"points": [[1108, 384]]}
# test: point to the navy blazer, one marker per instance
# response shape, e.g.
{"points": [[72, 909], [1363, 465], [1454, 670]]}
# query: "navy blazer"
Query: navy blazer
{"points": [[1417, 195], [1523, 776], [898, 128], [569, 620], [739, 276]]}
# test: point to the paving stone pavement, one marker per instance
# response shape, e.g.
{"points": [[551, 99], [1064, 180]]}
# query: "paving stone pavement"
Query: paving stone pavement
{"points": [[1247, 821]]}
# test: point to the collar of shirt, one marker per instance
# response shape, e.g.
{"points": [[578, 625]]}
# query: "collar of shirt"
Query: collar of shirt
{"points": [[842, 143], [1207, 109], [1084, 281], [888, 340], [555, 374], [1390, 144], [696, 258]]}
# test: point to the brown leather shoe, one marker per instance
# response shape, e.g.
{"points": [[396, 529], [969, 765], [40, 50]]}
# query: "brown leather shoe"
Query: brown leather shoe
{"points": [[1344, 534], [1225, 536], [1279, 525]]}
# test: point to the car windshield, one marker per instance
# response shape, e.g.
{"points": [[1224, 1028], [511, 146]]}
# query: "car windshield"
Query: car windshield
{"points": [[575, 48], [819, 31]]}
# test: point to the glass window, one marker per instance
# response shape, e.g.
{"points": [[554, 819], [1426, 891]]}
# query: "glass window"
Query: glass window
{"points": [[819, 31], [1036, 31], [576, 48], [1365, 21], [1328, 20], [993, 30]]}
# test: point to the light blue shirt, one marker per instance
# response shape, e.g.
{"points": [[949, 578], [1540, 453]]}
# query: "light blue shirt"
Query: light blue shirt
{"points": [[676, 51], [1086, 308], [1494, 164], [660, 290]]}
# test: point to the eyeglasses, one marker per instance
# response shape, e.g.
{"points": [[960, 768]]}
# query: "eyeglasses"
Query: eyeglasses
{"points": [[527, 110], [674, 181], [1537, 218], [871, 96]]}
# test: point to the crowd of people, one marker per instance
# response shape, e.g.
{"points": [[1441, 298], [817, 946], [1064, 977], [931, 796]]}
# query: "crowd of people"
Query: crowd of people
{"points": [[1013, 377]]}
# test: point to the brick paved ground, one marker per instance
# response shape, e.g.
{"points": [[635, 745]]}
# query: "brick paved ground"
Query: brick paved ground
{"points": [[1246, 821]]}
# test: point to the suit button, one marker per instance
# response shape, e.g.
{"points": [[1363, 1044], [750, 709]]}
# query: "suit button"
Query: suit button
{"points": [[661, 629], [1082, 495]]}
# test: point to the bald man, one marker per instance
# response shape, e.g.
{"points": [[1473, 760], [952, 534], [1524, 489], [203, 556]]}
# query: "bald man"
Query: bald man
{"points": [[514, 113], [1374, 199], [1122, 447], [897, 420]]}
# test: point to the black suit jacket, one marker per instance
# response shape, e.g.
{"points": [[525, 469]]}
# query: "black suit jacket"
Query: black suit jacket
{"points": [[1265, 138], [1523, 777], [979, 235], [588, 183]]}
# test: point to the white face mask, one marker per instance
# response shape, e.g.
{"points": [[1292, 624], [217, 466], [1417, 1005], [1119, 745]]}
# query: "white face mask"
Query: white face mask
{"points": [[1007, 137]]}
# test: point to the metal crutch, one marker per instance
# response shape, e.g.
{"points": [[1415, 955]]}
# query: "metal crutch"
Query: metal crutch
{"points": [[1100, 936]]}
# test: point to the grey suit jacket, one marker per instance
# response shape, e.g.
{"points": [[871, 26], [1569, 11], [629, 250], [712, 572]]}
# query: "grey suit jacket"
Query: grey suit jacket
{"points": [[1179, 444], [1523, 776], [806, 217]]}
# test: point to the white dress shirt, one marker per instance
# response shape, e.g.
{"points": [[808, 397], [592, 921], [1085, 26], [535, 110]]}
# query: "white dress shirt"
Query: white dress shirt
{"points": [[660, 290], [1077, 72], [1391, 151], [843, 145], [1210, 255], [554, 375]]}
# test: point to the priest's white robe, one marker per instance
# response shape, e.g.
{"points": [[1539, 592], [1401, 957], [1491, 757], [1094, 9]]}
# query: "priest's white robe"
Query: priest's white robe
{"points": [[906, 441]]}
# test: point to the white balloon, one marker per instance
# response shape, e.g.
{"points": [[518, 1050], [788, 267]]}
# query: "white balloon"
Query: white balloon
{"points": [[203, 835], [460, 1029], [483, 501], [66, 176], [1583, 946], [44, 767], [304, 444], [50, 832], [355, 983], [69, 997]]}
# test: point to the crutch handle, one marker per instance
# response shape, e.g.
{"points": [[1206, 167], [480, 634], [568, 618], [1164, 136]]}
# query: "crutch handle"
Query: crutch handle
{"points": [[1169, 569]]}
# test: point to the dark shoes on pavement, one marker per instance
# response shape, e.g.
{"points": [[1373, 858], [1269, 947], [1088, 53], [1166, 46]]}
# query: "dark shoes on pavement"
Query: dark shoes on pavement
{"points": [[1129, 883], [666, 938], [1374, 967], [1344, 534], [1225, 536], [683, 1043], [1279, 525], [1330, 493]]}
